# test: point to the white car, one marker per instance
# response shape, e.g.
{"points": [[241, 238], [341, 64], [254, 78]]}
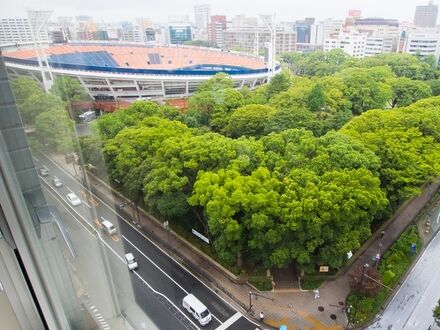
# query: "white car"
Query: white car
{"points": [[73, 199], [131, 261], [57, 182]]}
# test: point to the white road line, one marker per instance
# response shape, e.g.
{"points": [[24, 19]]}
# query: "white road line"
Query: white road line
{"points": [[157, 292], [229, 321], [86, 203], [69, 189], [35, 158], [143, 235], [120, 258], [162, 271]]}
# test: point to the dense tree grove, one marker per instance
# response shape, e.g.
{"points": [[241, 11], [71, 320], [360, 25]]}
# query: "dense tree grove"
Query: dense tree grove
{"points": [[294, 171]]}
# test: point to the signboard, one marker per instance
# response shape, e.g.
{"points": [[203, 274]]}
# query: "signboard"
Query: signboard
{"points": [[354, 13], [203, 238], [323, 269]]}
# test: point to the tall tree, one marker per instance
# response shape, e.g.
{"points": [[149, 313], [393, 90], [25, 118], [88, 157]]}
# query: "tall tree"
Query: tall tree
{"points": [[407, 91], [363, 91], [249, 120], [279, 83], [68, 89]]}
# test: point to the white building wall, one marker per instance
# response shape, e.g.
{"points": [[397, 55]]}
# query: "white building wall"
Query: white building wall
{"points": [[18, 30], [353, 45], [423, 44]]}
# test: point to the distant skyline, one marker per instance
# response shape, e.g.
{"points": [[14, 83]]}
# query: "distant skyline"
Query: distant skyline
{"points": [[160, 10]]}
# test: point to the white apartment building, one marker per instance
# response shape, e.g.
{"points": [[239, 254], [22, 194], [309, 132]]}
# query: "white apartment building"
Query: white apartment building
{"points": [[249, 39], [374, 46], [352, 44], [18, 30], [423, 44]]}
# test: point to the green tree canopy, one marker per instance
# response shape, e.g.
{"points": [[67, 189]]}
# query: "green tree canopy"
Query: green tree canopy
{"points": [[219, 81], [249, 120], [363, 91], [279, 83], [406, 91], [68, 89]]}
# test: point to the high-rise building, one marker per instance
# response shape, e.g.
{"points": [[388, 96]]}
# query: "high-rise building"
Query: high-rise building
{"points": [[426, 15], [255, 40], [18, 30], [303, 29], [215, 29], [201, 16], [385, 30], [326, 29], [130, 33]]}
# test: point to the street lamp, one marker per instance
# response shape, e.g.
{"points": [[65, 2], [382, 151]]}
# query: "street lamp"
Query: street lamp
{"points": [[364, 269]]}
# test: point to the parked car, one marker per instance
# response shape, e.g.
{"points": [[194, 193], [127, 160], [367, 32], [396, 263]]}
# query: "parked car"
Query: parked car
{"points": [[73, 199], [44, 171], [131, 261], [57, 182]]}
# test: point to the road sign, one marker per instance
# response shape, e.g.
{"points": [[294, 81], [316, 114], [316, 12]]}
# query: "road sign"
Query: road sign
{"points": [[203, 238]]}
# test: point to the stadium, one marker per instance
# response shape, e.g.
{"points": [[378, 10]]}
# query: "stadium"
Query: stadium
{"points": [[113, 71]]}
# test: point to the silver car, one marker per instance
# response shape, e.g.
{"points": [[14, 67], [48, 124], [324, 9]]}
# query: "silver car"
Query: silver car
{"points": [[57, 182], [44, 171], [73, 199]]}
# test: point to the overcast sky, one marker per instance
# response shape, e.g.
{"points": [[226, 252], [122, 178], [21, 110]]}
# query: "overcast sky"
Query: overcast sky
{"points": [[159, 10]]}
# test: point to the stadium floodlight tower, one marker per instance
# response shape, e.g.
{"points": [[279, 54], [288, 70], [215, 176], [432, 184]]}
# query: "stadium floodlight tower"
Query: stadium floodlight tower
{"points": [[269, 21], [37, 22]]}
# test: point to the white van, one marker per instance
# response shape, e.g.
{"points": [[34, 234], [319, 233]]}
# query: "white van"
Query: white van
{"points": [[131, 261], [195, 307], [108, 227]]}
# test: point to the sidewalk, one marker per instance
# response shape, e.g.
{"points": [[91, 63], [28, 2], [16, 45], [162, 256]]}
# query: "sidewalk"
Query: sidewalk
{"points": [[296, 309]]}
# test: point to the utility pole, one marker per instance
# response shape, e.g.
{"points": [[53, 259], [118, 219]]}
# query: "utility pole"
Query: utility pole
{"points": [[256, 295]]}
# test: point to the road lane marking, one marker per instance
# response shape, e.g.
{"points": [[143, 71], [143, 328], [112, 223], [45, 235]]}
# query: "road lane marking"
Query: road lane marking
{"points": [[87, 204], [69, 189], [229, 321], [98, 236], [35, 158], [147, 238], [163, 272], [160, 269], [159, 293]]}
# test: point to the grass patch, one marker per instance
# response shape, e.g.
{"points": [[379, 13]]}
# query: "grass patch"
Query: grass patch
{"points": [[262, 283], [395, 262], [311, 284]]}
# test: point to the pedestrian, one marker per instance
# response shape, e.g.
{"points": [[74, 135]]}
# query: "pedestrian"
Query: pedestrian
{"points": [[316, 294], [261, 317], [382, 234]]}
